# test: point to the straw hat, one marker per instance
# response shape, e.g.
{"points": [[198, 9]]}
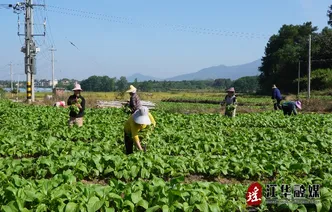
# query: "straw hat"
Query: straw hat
{"points": [[231, 89], [132, 89], [141, 116], [298, 105], [274, 86], [77, 87]]}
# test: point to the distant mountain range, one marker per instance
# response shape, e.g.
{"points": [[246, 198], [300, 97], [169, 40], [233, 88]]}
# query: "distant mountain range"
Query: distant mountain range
{"points": [[214, 72], [141, 78]]}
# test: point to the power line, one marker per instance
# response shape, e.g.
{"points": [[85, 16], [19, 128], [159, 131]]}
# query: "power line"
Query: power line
{"points": [[49, 25], [4, 75], [84, 54], [90, 13], [48, 41], [4, 67], [6, 6], [173, 27], [170, 25]]}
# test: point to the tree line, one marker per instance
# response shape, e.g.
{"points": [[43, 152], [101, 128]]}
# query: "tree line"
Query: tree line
{"points": [[247, 84], [106, 84], [287, 51]]}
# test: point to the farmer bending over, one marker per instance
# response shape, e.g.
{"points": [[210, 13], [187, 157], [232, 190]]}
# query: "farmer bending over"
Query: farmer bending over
{"points": [[135, 101], [60, 104], [76, 105], [231, 103], [137, 122], [290, 107], [276, 96]]}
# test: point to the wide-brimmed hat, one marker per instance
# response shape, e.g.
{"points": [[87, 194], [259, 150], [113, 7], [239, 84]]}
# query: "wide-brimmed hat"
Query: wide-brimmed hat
{"points": [[141, 116], [132, 89], [298, 104], [231, 89], [77, 87], [274, 86]]}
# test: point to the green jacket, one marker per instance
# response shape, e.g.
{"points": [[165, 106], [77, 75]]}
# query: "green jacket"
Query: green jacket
{"points": [[290, 106]]}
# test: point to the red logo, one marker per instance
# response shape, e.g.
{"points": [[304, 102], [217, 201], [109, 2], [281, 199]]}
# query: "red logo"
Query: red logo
{"points": [[254, 194]]}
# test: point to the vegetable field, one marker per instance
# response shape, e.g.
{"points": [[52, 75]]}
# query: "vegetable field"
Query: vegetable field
{"points": [[196, 162]]}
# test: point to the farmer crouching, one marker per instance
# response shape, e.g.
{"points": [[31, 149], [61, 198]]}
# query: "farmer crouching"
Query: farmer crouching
{"points": [[76, 105], [290, 107], [60, 104], [134, 102], [231, 103], [137, 122]]}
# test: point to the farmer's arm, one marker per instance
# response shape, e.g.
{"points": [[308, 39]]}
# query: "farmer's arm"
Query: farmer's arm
{"points": [[70, 101], [131, 102], [82, 105], [152, 119], [235, 101], [294, 110], [223, 101], [134, 133]]}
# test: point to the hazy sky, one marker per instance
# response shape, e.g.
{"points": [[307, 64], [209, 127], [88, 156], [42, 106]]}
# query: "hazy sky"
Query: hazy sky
{"points": [[126, 37]]}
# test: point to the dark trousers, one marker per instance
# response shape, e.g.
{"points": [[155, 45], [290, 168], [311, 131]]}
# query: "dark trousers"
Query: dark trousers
{"points": [[277, 105], [129, 144], [287, 110]]}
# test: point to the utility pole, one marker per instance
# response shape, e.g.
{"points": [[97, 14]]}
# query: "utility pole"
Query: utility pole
{"points": [[28, 39], [33, 56], [29, 49], [18, 85], [53, 84], [11, 78], [309, 66], [298, 80], [11, 75]]}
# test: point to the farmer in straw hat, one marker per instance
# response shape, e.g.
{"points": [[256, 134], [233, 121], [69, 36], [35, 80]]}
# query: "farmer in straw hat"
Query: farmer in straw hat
{"points": [[136, 123], [76, 105], [135, 101], [231, 103], [290, 107], [276, 96]]}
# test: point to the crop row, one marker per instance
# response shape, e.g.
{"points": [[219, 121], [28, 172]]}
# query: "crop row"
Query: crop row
{"points": [[220, 155], [64, 193], [36, 144], [217, 101]]}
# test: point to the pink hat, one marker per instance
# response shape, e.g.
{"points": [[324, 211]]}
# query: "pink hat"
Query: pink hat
{"points": [[231, 89], [298, 104], [77, 87]]}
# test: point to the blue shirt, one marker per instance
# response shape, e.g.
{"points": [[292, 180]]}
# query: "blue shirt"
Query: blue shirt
{"points": [[276, 94]]}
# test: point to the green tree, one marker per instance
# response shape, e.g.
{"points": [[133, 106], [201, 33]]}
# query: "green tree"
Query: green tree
{"points": [[320, 79], [222, 83], [122, 84], [135, 83], [282, 53], [146, 86], [249, 84], [323, 45], [98, 84], [329, 15]]}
